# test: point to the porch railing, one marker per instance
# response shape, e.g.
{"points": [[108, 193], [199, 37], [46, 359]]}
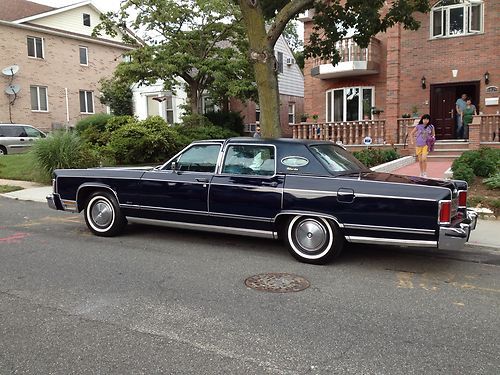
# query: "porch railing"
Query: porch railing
{"points": [[349, 50], [347, 132], [403, 128], [489, 129]]}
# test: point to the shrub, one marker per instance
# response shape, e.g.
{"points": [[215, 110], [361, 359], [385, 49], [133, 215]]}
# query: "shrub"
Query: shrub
{"points": [[463, 172], [484, 162], [372, 156], [147, 141], [195, 120], [227, 120], [190, 134], [63, 150], [493, 182], [97, 121]]}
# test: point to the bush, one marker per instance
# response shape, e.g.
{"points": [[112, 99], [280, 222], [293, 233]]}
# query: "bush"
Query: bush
{"points": [[372, 157], [97, 121], [190, 134], [193, 121], [63, 150], [227, 120], [463, 172], [493, 182], [483, 162], [147, 141]]}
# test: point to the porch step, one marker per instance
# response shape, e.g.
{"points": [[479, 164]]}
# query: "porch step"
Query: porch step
{"points": [[433, 158], [455, 152]]}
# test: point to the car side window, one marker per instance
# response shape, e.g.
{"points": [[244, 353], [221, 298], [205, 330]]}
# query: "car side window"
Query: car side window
{"points": [[198, 158], [2, 131], [31, 132], [249, 160]]}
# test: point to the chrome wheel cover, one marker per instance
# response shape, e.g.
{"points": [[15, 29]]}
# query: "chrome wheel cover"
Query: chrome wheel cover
{"points": [[310, 237], [102, 214]]}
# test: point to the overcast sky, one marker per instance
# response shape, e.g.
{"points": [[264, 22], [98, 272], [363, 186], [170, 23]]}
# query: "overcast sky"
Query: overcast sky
{"points": [[102, 5]]}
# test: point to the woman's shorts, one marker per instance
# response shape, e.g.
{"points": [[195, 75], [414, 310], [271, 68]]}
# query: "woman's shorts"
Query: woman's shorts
{"points": [[422, 150]]}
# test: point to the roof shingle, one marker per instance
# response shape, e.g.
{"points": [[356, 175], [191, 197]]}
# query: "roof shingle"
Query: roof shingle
{"points": [[12, 10]]}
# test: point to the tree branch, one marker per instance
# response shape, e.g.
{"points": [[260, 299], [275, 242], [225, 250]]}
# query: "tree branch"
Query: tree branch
{"points": [[286, 14]]}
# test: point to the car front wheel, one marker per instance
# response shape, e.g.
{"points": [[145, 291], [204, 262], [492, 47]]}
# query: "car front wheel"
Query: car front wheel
{"points": [[314, 240], [103, 215]]}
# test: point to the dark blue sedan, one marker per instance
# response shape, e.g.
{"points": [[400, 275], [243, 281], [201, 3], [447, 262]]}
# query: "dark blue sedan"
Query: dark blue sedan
{"points": [[313, 194]]}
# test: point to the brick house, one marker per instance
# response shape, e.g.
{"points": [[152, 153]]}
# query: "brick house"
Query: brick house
{"points": [[455, 51], [59, 62]]}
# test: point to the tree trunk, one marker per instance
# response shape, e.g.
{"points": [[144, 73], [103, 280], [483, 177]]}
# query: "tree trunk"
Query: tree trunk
{"points": [[264, 63]]}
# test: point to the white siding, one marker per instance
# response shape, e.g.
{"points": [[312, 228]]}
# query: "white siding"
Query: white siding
{"points": [[72, 21], [291, 81], [140, 99]]}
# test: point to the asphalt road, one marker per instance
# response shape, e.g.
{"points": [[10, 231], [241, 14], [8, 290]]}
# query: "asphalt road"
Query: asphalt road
{"points": [[157, 300]]}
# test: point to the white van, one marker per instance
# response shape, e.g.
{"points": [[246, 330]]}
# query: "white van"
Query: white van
{"points": [[17, 138]]}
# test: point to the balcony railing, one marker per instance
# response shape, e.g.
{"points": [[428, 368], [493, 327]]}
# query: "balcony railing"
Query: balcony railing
{"points": [[354, 60], [347, 132], [489, 129]]}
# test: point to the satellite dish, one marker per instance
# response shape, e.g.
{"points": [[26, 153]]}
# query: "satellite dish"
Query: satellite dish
{"points": [[10, 70], [12, 89]]}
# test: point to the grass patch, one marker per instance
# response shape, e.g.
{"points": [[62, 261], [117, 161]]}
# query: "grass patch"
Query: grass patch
{"points": [[21, 167], [9, 188]]}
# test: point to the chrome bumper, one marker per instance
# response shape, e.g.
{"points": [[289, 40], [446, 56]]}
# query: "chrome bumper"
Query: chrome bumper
{"points": [[54, 202], [454, 238]]}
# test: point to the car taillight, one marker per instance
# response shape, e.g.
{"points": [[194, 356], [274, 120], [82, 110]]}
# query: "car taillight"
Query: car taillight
{"points": [[444, 212], [462, 199]]}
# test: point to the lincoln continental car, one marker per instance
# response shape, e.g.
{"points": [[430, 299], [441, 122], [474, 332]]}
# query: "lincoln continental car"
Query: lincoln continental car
{"points": [[312, 194]]}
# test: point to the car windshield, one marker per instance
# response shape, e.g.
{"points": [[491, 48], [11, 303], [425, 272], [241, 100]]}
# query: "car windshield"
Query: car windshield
{"points": [[336, 159]]}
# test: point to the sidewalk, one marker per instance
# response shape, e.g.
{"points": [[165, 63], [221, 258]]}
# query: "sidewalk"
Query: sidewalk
{"points": [[435, 169], [486, 233]]}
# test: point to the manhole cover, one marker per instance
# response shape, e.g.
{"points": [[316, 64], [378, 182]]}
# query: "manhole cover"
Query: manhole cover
{"points": [[277, 282]]}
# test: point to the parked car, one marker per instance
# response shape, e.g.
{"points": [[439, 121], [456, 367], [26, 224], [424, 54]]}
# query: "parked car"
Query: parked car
{"points": [[17, 138], [313, 194]]}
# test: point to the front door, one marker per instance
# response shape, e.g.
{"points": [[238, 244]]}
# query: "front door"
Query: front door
{"points": [[442, 108]]}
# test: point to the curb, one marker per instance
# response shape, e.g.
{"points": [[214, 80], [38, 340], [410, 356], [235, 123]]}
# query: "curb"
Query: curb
{"points": [[394, 164]]}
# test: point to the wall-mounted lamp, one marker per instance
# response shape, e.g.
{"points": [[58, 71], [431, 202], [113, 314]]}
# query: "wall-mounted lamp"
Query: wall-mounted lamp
{"points": [[486, 78], [422, 81]]}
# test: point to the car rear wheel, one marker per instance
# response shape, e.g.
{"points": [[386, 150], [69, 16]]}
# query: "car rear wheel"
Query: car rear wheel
{"points": [[314, 240], [3, 151], [103, 215]]}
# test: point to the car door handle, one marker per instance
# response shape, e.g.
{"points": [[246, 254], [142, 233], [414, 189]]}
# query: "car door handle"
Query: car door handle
{"points": [[272, 183], [22, 139], [201, 179]]}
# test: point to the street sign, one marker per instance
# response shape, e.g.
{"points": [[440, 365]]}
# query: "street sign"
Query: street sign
{"points": [[367, 141]]}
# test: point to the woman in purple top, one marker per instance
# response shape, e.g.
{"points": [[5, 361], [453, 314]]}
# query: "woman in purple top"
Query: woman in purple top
{"points": [[424, 134]]}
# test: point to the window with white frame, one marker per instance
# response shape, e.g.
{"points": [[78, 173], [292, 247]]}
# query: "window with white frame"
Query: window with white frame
{"points": [[291, 113], [35, 47], [257, 113], [39, 100], [169, 110], [280, 62], [349, 104], [86, 101], [456, 17], [84, 55]]}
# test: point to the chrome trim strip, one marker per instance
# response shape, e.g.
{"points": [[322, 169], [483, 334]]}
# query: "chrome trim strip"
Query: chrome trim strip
{"points": [[364, 195], [176, 181], [203, 227], [309, 213], [390, 229], [250, 186], [391, 241], [194, 212], [375, 182]]}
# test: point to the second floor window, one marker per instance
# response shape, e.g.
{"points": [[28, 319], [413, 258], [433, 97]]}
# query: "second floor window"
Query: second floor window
{"points": [[280, 62], [84, 55], [86, 102], [35, 47], [86, 19], [39, 100], [257, 113], [456, 17]]}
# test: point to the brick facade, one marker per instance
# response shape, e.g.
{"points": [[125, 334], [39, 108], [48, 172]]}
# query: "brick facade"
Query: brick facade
{"points": [[407, 56], [58, 70]]}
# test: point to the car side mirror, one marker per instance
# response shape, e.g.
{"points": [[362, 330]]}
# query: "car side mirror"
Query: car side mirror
{"points": [[173, 166]]}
